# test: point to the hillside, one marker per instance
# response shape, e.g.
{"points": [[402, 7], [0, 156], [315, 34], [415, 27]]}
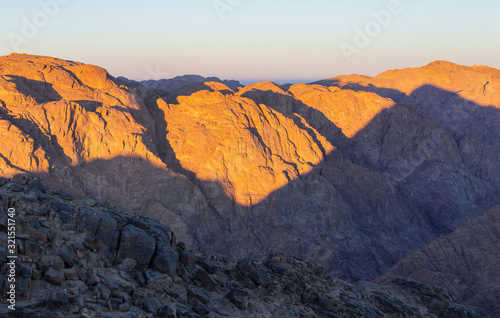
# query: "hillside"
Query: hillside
{"points": [[82, 258]]}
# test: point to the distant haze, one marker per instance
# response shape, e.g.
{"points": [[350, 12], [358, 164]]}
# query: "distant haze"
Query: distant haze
{"points": [[250, 40]]}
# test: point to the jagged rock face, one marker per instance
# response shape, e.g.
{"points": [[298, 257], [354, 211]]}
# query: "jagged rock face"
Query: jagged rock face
{"points": [[463, 99], [467, 262], [250, 149], [73, 112], [81, 258], [348, 177]]}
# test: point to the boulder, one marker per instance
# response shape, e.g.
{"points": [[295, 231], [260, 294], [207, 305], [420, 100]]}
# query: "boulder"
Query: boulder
{"points": [[165, 259], [136, 244], [253, 271], [54, 276]]}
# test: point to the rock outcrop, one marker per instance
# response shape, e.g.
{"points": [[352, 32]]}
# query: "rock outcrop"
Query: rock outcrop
{"points": [[355, 176], [82, 258]]}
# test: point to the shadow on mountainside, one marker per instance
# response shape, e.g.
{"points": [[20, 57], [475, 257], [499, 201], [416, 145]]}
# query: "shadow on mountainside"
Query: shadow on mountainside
{"points": [[41, 92], [397, 184], [451, 111], [391, 93], [40, 139], [172, 95]]}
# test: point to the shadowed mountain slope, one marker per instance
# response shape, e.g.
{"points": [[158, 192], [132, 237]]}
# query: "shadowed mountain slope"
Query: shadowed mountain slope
{"points": [[466, 262], [82, 258]]}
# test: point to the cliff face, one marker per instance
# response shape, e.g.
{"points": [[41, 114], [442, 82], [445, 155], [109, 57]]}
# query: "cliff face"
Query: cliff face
{"points": [[354, 172]]}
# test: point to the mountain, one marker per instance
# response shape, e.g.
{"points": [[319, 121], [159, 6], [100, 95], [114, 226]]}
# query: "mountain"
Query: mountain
{"points": [[354, 172], [465, 262], [81, 258], [182, 81]]}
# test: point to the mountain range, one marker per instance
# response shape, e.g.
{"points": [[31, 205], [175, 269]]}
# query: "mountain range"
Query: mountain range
{"points": [[373, 177]]}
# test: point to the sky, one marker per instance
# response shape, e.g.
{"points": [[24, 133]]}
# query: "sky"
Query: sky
{"points": [[253, 40]]}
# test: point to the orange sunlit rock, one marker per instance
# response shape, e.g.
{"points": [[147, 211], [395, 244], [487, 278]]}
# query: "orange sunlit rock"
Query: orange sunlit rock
{"points": [[74, 113], [251, 149]]}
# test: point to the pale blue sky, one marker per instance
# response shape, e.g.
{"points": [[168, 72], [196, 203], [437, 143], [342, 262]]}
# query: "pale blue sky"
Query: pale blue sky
{"points": [[281, 40]]}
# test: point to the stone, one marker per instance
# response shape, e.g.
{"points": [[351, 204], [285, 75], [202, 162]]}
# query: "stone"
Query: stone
{"points": [[26, 271], [251, 270], [32, 248], [123, 307], [187, 259], [279, 268], [199, 307], [115, 282], [37, 236], [207, 281], [93, 280], [70, 274], [15, 187], [128, 265], [3, 256], [209, 266], [66, 195], [326, 303], [151, 305], [136, 244], [22, 178], [66, 256], [38, 184], [165, 259], [105, 232], [239, 298], [198, 294], [54, 276], [168, 312]]}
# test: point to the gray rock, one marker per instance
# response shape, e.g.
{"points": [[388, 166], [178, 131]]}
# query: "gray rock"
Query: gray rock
{"points": [[70, 274], [105, 232], [239, 298], [54, 276], [22, 178], [151, 305], [168, 311], [187, 259], [38, 184], [250, 269], [207, 281], [136, 244], [32, 248], [128, 265], [66, 195], [66, 256], [15, 187], [209, 266], [165, 259], [123, 307]]}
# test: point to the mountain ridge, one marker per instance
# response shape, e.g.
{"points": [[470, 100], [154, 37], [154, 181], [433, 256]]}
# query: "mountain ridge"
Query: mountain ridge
{"points": [[355, 176], [168, 84]]}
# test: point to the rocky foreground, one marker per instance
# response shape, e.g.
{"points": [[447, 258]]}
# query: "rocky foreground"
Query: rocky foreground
{"points": [[82, 258]]}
